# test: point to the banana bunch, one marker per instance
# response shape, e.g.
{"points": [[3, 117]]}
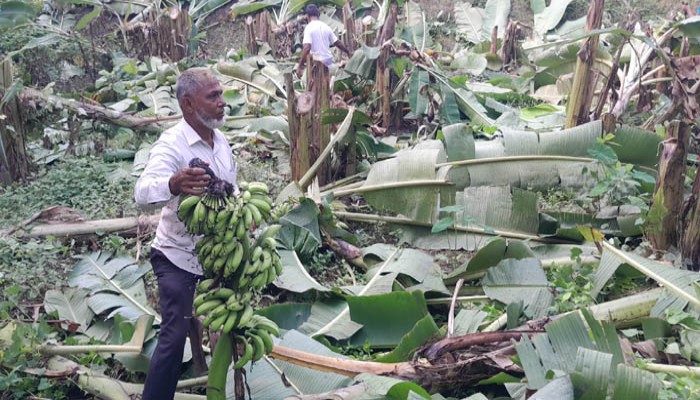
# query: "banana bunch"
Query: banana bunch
{"points": [[238, 253], [263, 265], [256, 340], [209, 214], [280, 211]]}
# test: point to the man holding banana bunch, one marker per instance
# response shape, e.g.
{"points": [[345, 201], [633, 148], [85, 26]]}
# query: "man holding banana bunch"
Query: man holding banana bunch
{"points": [[166, 177]]}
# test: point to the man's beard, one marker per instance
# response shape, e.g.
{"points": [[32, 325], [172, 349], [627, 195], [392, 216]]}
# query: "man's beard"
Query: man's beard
{"points": [[211, 123]]}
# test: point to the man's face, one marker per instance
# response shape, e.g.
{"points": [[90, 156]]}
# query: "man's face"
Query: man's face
{"points": [[208, 104]]}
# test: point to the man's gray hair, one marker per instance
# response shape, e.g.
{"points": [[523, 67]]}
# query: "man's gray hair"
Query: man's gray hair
{"points": [[191, 80]]}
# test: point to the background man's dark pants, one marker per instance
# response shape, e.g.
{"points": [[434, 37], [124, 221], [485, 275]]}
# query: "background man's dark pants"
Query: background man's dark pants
{"points": [[176, 291]]}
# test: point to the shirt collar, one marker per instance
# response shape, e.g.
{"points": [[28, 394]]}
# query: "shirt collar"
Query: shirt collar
{"points": [[192, 136]]}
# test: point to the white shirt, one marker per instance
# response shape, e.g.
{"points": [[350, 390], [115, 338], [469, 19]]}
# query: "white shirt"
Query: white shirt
{"points": [[172, 152], [320, 36]]}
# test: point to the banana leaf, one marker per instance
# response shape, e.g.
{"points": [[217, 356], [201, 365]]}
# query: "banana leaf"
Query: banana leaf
{"points": [[287, 316], [386, 318], [537, 173], [468, 321], [300, 229], [275, 379], [459, 142], [490, 255], [421, 332], [70, 305], [417, 265], [363, 62], [295, 278], [499, 207], [679, 284], [384, 387], [416, 94], [469, 22], [330, 318], [115, 284], [13, 13], [422, 238], [520, 281], [634, 383], [637, 146], [449, 109], [391, 185], [496, 13], [591, 383], [548, 17]]}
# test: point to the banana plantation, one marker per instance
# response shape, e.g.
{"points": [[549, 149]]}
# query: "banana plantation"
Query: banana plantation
{"points": [[488, 199]]}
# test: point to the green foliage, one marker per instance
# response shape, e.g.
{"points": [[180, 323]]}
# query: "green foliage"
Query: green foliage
{"points": [[14, 384], [679, 387], [35, 265], [572, 283], [81, 184], [618, 182]]}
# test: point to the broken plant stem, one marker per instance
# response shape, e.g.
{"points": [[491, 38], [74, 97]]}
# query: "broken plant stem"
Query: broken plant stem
{"points": [[407, 221], [461, 299], [680, 370], [371, 188], [451, 314]]}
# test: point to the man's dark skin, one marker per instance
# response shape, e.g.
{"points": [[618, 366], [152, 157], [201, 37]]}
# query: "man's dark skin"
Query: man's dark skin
{"points": [[307, 49], [210, 103]]}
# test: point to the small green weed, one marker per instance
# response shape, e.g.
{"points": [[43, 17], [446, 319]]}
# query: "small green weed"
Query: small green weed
{"points": [[572, 284]]}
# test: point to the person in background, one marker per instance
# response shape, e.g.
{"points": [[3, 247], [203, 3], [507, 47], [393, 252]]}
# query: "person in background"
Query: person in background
{"points": [[318, 39], [165, 178]]}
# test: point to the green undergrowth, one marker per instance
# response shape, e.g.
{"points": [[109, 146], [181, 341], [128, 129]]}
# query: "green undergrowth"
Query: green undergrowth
{"points": [[83, 184]]}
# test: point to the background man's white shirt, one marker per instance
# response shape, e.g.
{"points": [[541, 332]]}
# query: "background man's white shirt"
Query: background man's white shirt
{"points": [[320, 36]]}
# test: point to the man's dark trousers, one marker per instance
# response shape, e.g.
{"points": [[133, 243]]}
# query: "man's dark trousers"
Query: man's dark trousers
{"points": [[176, 291]]}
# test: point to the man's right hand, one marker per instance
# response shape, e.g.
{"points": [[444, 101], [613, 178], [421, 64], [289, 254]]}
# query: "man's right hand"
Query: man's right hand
{"points": [[189, 180], [299, 73]]}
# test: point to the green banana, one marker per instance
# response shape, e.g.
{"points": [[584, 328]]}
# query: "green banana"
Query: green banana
{"points": [[207, 306], [246, 316], [247, 354], [186, 207], [257, 187], [264, 323], [257, 253], [255, 213], [261, 205], [233, 261], [266, 338], [241, 228], [247, 217], [199, 299], [218, 322], [204, 285], [230, 322], [222, 293], [270, 232], [258, 346]]}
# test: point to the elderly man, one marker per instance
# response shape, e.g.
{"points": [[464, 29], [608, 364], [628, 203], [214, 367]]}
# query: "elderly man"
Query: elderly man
{"points": [[165, 178], [318, 38]]}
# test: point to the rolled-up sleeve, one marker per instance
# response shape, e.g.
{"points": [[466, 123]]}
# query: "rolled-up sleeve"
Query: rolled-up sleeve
{"points": [[152, 187]]}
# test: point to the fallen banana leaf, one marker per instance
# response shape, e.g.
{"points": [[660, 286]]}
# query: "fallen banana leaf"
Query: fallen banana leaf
{"points": [[143, 325]]}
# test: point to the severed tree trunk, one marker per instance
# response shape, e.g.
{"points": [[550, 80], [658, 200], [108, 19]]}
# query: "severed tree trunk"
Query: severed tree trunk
{"points": [[96, 112], [14, 161], [663, 226], [320, 135], [298, 134], [383, 75], [585, 77], [250, 34], [349, 22], [690, 242]]}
